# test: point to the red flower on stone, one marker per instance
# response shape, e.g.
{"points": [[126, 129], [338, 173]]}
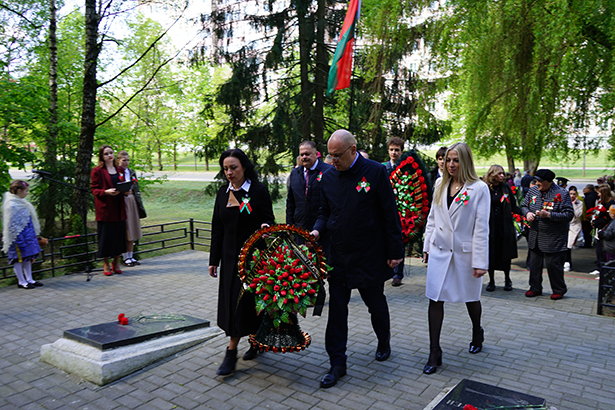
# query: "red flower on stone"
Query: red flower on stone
{"points": [[124, 321], [120, 316]]}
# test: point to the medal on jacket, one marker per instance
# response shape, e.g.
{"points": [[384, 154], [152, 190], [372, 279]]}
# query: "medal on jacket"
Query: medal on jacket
{"points": [[319, 177], [245, 205], [363, 185], [505, 197]]}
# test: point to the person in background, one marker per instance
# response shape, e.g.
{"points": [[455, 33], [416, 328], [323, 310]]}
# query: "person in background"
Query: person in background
{"points": [[20, 229], [517, 178], [590, 198], [502, 233], [456, 248], [607, 236], [600, 221], [364, 153], [547, 207], [436, 172], [134, 209], [110, 209], [359, 215], [303, 200], [574, 230], [525, 182], [562, 182], [242, 207], [396, 148]]}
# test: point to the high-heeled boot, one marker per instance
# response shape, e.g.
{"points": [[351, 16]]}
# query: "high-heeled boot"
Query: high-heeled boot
{"points": [[478, 337], [228, 364], [435, 356]]}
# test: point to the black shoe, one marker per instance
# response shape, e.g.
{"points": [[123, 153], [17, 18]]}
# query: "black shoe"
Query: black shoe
{"points": [[128, 262], [435, 355], [383, 353], [508, 286], [228, 365], [26, 286], [477, 341], [490, 287], [330, 379], [251, 354], [37, 284], [396, 282]]}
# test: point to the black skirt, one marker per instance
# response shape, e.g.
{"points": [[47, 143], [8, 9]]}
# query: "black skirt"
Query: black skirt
{"points": [[111, 238]]}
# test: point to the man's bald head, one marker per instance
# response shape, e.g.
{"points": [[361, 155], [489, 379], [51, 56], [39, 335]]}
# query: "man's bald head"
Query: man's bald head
{"points": [[344, 137]]}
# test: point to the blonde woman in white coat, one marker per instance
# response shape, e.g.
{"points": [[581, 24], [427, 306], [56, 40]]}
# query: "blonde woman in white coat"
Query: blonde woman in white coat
{"points": [[456, 247]]}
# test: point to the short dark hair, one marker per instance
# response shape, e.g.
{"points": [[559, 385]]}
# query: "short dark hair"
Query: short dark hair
{"points": [[249, 170], [573, 188], [310, 144], [396, 141], [441, 152]]}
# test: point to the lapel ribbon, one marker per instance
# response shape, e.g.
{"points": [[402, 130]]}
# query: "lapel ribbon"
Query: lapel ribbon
{"points": [[245, 205], [363, 185]]}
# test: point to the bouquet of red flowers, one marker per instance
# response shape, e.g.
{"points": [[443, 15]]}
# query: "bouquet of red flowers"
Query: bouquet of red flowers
{"points": [[521, 224], [286, 278]]}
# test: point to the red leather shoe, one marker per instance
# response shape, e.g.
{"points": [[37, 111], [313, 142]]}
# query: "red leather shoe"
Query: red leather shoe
{"points": [[557, 296], [107, 273], [531, 294], [116, 269]]}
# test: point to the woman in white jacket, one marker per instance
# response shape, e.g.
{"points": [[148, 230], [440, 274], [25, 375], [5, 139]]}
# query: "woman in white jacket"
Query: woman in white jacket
{"points": [[456, 247]]}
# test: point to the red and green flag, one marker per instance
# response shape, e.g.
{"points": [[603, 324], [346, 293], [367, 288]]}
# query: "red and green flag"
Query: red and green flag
{"points": [[341, 68]]}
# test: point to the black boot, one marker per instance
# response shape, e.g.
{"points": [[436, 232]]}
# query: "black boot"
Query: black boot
{"points": [[508, 285], [228, 364], [478, 337]]}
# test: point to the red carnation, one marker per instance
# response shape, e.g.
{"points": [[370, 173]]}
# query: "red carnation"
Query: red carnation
{"points": [[415, 165], [124, 321], [120, 316], [276, 288]]}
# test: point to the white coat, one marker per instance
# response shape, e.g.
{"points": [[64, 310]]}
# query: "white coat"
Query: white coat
{"points": [[457, 239]]}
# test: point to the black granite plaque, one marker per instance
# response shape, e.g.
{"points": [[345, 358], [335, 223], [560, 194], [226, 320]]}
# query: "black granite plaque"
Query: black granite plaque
{"points": [[111, 335], [485, 396]]}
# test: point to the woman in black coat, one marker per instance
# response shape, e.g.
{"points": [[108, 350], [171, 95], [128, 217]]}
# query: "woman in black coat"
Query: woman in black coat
{"points": [[241, 208], [502, 235]]}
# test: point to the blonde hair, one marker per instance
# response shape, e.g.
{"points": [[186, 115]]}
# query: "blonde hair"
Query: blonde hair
{"points": [[491, 175], [467, 173]]}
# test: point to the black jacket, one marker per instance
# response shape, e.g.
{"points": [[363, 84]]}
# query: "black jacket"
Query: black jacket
{"points": [[301, 210], [362, 224]]}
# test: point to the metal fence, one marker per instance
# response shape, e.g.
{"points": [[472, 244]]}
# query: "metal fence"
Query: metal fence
{"points": [[76, 253], [606, 290]]}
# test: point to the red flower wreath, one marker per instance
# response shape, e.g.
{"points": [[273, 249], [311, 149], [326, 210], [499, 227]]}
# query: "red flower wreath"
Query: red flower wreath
{"points": [[411, 197]]}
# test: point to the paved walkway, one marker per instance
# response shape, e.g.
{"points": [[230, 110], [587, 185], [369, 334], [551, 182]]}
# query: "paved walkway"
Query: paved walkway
{"points": [[560, 350]]}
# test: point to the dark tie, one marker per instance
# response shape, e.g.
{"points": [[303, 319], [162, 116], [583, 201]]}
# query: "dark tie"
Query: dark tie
{"points": [[307, 180]]}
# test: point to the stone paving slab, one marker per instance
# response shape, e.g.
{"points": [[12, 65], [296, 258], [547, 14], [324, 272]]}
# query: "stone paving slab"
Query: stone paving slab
{"points": [[560, 350]]}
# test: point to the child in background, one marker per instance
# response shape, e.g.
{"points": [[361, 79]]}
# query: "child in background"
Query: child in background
{"points": [[19, 234]]}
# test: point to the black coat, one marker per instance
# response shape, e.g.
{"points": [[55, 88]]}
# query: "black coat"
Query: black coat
{"points": [[363, 228], [301, 210], [502, 233], [230, 228]]}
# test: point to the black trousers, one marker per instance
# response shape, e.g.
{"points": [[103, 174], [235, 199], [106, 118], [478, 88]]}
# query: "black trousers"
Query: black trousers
{"points": [[336, 336], [555, 269]]}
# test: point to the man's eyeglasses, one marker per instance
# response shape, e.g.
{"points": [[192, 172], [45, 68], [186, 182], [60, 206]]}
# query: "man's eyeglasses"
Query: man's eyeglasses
{"points": [[337, 157]]}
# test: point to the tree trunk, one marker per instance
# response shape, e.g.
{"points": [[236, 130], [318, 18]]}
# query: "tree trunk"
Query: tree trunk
{"points": [[511, 163], [320, 77], [304, 58], [48, 200], [88, 113]]}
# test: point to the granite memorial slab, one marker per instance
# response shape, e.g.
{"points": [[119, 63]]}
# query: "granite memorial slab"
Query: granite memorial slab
{"points": [[107, 336], [109, 351], [485, 396]]}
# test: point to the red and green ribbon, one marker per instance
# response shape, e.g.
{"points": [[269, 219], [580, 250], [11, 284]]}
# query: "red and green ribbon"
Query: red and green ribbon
{"points": [[245, 205], [363, 185]]}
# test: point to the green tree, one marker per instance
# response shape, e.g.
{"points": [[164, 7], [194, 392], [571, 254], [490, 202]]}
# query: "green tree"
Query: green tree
{"points": [[526, 75]]}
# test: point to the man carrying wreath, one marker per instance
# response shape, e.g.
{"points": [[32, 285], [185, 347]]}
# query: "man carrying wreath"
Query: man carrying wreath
{"points": [[549, 210], [359, 215]]}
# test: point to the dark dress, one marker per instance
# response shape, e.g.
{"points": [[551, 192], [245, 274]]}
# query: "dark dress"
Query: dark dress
{"points": [[110, 213], [502, 236], [230, 229]]}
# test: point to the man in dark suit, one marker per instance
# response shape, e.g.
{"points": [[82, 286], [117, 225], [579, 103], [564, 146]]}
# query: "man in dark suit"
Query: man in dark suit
{"points": [[359, 215], [525, 182], [549, 210], [303, 199]]}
